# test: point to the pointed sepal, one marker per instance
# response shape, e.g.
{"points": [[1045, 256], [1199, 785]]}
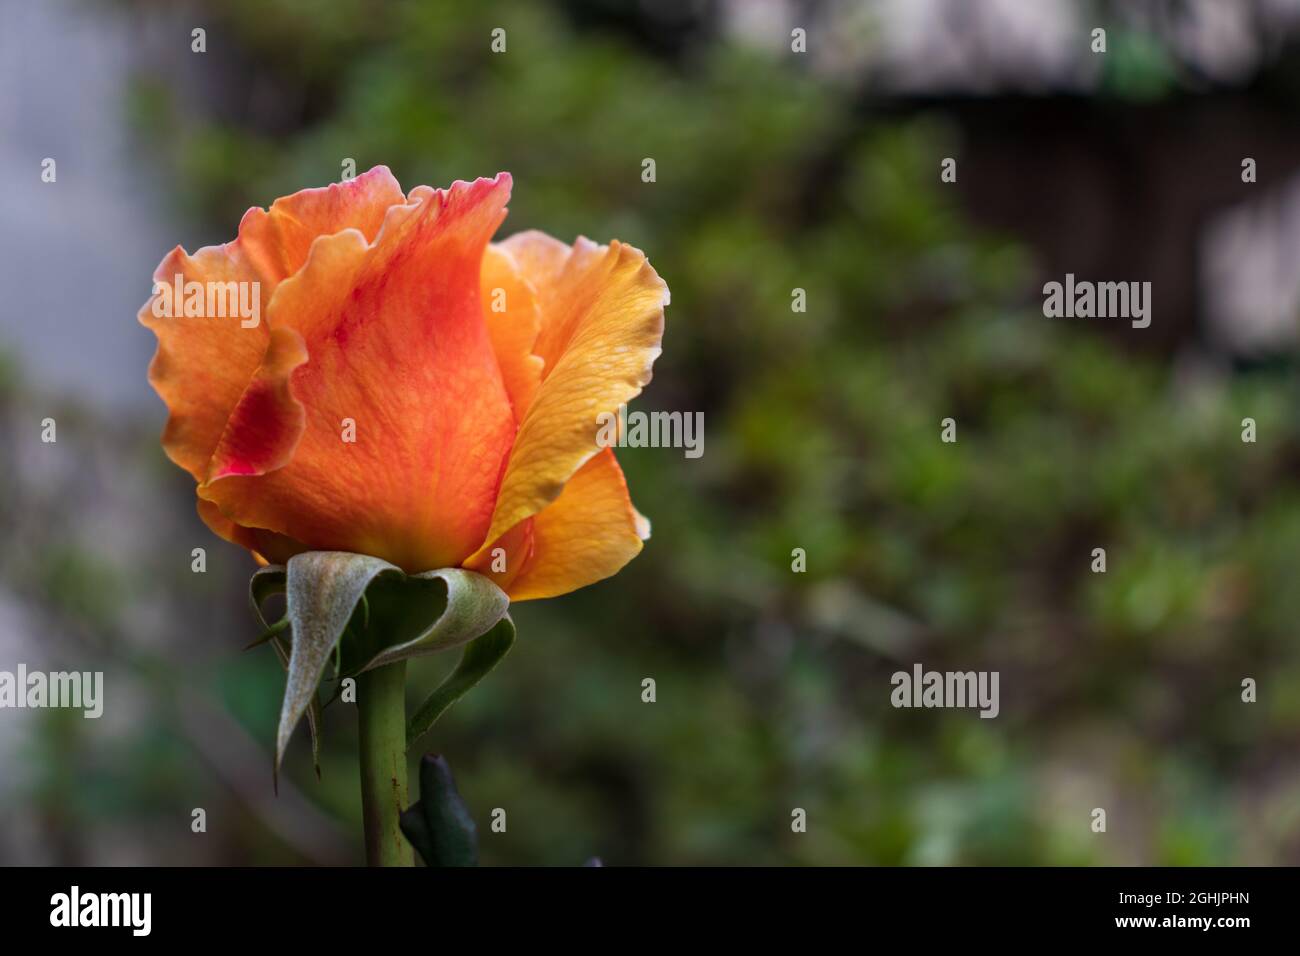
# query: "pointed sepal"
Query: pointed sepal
{"points": [[322, 590], [420, 614], [386, 615], [479, 657]]}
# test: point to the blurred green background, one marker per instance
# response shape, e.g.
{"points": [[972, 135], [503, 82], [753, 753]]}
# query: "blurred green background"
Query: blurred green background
{"points": [[775, 171]]}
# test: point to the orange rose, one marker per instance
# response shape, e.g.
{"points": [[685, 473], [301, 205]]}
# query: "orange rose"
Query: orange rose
{"points": [[403, 388]]}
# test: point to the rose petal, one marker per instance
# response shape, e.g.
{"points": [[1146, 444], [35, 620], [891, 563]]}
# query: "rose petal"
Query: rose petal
{"points": [[396, 343], [513, 321], [264, 426], [282, 236], [203, 365], [587, 534], [602, 324], [505, 557]]}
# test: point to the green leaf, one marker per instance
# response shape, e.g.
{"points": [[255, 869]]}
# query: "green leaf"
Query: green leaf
{"points": [[439, 824], [479, 657]]}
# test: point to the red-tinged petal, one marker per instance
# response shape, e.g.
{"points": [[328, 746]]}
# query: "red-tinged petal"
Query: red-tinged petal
{"points": [[398, 347], [588, 533], [204, 363], [264, 427], [280, 238]]}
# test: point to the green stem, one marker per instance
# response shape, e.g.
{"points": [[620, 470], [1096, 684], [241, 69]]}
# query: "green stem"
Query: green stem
{"points": [[381, 706]]}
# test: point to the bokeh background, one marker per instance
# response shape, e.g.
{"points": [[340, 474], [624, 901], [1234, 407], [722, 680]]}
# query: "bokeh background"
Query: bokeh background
{"points": [[775, 171]]}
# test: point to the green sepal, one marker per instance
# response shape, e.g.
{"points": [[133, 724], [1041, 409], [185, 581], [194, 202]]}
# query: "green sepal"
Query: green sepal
{"points": [[265, 582], [282, 651], [271, 632], [387, 616], [421, 614], [476, 661]]}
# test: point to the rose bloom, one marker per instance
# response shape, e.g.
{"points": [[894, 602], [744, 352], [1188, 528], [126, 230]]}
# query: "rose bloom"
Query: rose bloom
{"points": [[411, 391]]}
